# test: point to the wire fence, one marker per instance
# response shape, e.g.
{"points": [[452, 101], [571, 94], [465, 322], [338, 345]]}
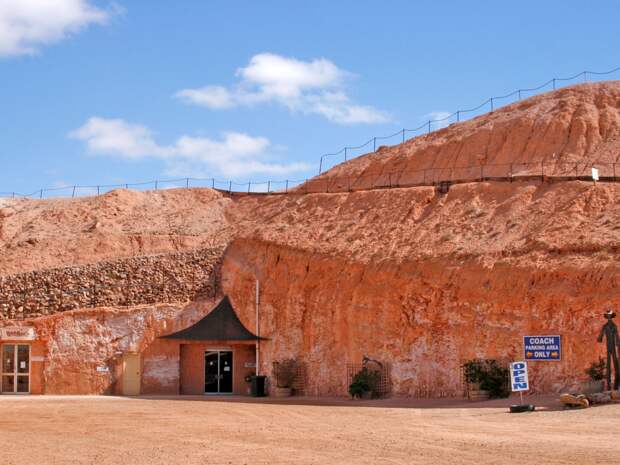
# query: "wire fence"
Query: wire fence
{"points": [[344, 154]]}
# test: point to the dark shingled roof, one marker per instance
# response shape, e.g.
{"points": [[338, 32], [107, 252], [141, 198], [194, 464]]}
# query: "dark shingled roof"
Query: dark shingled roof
{"points": [[221, 324]]}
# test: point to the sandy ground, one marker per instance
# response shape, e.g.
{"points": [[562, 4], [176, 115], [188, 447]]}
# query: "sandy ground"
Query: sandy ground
{"points": [[112, 430]]}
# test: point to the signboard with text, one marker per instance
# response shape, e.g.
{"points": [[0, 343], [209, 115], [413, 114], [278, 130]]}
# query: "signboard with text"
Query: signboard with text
{"points": [[542, 348], [518, 377], [17, 333]]}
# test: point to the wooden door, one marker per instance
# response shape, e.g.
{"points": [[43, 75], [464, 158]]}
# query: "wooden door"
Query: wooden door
{"points": [[132, 374]]}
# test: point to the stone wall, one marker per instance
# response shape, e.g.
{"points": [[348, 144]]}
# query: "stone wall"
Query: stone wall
{"points": [[176, 277]]}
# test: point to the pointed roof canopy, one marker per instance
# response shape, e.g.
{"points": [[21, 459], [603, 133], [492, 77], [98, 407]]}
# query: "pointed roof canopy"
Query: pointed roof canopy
{"points": [[221, 324]]}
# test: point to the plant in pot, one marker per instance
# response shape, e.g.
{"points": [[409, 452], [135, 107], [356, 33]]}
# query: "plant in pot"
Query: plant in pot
{"points": [[596, 375], [286, 372], [364, 383]]}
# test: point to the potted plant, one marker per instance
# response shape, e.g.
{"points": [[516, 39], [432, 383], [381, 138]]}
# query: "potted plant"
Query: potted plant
{"points": [[596, 375], [364, 384], [286, 372]]}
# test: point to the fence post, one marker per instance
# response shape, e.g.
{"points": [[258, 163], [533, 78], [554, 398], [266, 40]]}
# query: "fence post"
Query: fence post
{"points": [[249, 185], [321, 164], [519, 94], [186, 183], [553, 81], [403, 135], [458, 115], [126, 186], [306, 183], [374, 144], [73, 193], [429, 126], [491, 103], [97, 191], [268, 186], [345, 154], [212, 183], [41, 194], [230, 187], [13, 194], [286, 189], [585, 77]]}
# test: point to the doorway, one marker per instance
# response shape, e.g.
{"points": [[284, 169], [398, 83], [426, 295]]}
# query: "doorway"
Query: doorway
{"points": [[218, 372], [15, 369], [132, 373]]}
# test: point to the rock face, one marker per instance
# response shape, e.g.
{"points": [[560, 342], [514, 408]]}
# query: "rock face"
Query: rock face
{"points": [[414, 278], [178, 277], [424, 318]]}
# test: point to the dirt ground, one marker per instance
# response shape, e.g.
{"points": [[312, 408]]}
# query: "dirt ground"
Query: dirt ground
{"points": [[112, 430]]}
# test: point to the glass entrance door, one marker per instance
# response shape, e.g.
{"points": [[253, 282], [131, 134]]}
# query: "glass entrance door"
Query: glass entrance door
{"points": [[15, 369], [219, 372]]}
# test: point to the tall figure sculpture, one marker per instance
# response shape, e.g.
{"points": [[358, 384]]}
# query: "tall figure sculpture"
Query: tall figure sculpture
{"points": [[610, 332]]}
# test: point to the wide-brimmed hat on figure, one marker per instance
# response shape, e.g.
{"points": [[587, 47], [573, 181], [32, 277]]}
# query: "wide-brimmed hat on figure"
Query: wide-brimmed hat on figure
{"points": [[609, 314]]}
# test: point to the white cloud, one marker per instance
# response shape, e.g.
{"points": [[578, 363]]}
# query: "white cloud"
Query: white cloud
{"points": [[439, 119], [25, 25], [311, 87], [235, 154]]}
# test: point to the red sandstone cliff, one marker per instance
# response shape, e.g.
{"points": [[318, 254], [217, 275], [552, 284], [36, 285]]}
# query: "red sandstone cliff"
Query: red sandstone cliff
{"points": [[410, 276]]}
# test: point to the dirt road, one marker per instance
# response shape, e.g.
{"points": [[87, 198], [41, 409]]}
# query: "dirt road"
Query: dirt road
{"points": [[109, 430]]}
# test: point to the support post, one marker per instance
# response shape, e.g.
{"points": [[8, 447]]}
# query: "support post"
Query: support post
{"points": [[458, 115], [403, 135], [268, 186], [374, 144], [286, 188], [345, 154], [257, 327], [186, 183], [73, 193], [429, 126], [156, 184], [320, 165], [491, 103]]}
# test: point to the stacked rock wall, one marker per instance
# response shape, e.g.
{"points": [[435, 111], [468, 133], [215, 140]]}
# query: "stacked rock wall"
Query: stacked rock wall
{"points": [[176, 277]]}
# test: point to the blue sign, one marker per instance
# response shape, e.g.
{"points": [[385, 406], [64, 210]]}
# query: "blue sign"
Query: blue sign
{"points": [[542, 348], [518, 377]]}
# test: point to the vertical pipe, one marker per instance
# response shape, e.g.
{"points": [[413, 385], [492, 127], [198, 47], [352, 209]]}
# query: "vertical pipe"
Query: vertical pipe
{"points": [[257, 327]]}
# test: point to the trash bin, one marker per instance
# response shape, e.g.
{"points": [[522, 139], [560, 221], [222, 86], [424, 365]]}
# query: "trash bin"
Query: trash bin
{"points": [[258, 386]]}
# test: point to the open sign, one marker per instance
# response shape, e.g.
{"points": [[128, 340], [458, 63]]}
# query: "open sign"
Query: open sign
{"points": [[518, 377]]}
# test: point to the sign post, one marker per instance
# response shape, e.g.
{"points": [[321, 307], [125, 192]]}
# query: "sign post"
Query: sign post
{"points": [[519, 382]]}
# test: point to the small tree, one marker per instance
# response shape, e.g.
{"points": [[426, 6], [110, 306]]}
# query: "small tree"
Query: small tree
{"points": [[365, 380]]}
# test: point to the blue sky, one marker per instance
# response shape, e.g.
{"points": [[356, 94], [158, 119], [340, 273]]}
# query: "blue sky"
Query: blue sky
{"points": [[104, 93]]}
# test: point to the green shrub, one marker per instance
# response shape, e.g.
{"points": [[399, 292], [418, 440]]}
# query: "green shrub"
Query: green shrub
{"points": [[364, 380], [596, 370], [490, 375]]}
